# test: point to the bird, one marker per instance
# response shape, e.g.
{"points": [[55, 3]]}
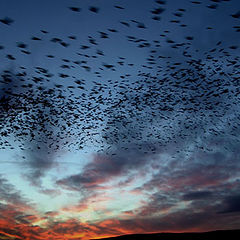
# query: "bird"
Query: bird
{"points": [[6, 21], [119, 7], [94, 9], [75, 9], [97, 94], [236, 15], [9, 56]]}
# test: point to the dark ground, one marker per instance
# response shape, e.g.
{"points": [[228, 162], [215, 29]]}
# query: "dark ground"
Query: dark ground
{"points": [[228, 234]]}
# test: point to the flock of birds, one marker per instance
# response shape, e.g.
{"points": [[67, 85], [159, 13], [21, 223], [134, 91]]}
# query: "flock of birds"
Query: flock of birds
{"points": [[167, 100]]}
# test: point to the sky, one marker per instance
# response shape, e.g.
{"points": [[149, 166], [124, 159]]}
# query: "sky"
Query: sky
{"points": [[118, 117]]}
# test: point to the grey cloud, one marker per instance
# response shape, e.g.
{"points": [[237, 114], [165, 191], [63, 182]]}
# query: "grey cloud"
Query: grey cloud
{"points": [[34, 132], [9, 194], [197, 195], [232, 204], [104, 167], [158, 202]]}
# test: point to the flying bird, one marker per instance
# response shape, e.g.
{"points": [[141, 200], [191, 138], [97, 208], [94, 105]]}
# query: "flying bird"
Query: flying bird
{"points": [[6, 21]]}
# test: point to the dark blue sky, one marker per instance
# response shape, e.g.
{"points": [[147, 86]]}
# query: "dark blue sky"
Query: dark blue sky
{"points": [[118, 117]]}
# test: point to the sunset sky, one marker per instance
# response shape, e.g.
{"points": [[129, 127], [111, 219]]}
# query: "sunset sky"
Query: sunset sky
{"points": [[118, 117]]}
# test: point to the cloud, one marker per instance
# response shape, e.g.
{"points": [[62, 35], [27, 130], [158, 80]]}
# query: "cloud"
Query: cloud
{"points": [[15, 212], [197, 195], [23, 226], [32, 117], [232, 204], [159, 203], [103, 168], [9, 195]]}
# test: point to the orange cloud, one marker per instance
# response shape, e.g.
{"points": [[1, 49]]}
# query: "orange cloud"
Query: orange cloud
{"points": [[16, 224]]}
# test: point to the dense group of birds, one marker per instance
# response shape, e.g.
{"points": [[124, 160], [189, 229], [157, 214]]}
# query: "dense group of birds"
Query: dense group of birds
{"points": [[161, 101]]}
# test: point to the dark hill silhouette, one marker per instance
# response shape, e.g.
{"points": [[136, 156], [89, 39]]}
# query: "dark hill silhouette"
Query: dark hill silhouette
{"points": [[214, 235]]}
